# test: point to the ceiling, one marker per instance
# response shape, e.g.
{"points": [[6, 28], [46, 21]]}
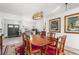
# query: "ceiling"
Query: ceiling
{"points": [[28, 9]]}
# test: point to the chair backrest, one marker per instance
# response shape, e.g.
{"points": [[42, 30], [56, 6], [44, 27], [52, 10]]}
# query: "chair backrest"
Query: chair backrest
{"points": [[26, 42], [28, 45], [25, 38], [61, 43], [51, 36], [43, 33], [56, 46]]}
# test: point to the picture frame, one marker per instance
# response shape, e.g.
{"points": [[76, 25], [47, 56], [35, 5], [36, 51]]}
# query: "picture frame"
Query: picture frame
{"points": [[71, 23], [55, 25]]}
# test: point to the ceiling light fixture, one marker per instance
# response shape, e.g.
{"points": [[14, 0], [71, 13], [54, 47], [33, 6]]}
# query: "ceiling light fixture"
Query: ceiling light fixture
{"points": [[37, 15], [66, 6]]}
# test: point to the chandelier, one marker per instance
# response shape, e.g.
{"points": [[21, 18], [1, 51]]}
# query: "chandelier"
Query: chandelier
{"points": [[37, 16]]}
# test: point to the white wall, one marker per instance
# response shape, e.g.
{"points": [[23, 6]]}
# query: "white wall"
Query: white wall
{"points": [[28, 22], [40, 24], [6, 18], [72, 39], [0, 22], [23, 21]]}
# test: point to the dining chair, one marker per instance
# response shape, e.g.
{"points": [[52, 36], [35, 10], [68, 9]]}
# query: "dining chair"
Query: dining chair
{"points": [[34, 49], [43, 34], [58, 49], [27, 48], [20, 50], [61, 44], [25, 38], [50, 36], [52, 49], [52, 41]]}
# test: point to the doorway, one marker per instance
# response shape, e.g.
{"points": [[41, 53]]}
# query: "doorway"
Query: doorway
{"points": [[13, 30]]}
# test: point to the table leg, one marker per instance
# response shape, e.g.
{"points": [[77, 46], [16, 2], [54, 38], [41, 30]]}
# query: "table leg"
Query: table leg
{"points": [[43, 49]]}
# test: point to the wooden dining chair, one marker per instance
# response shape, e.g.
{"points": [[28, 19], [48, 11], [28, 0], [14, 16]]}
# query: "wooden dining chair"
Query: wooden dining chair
{"points": [[50, 36], [52, 49], [51, 39], [43, 34], [58, 49], [25, 38], [27, 48], [34, 49], [61, 44], [22, 48]]}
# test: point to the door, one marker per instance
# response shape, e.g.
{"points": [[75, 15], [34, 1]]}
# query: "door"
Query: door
{"points": [[13, 30]]}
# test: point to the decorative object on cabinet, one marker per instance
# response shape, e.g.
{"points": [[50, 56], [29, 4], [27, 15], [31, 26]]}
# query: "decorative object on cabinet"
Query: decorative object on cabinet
{"points": [[55, 25], [71, 23]]}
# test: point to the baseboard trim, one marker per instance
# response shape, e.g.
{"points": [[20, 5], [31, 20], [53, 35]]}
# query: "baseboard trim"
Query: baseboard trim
{"points": [[72, 50]]}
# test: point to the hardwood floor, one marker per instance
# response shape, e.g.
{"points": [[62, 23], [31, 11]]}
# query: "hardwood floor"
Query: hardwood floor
{"points": [[12, 43], [8, 41]]}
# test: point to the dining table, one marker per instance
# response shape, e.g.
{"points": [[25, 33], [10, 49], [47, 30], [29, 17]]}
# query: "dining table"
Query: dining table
{"points": [[37, 40]]}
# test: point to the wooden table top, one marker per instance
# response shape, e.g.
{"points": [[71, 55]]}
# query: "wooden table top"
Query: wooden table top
{"points": [[39, 41]]}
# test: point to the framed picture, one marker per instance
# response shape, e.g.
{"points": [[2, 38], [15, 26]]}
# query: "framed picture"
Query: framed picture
{"points": [[71, 23], [55, 25]]}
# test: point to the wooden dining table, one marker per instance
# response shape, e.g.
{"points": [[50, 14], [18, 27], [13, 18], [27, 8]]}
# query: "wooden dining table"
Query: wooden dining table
{"points": [[39, 41]]}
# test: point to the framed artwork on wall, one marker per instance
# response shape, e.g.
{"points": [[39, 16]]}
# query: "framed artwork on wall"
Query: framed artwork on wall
{"points": [[71, 23], [55, 25]]}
